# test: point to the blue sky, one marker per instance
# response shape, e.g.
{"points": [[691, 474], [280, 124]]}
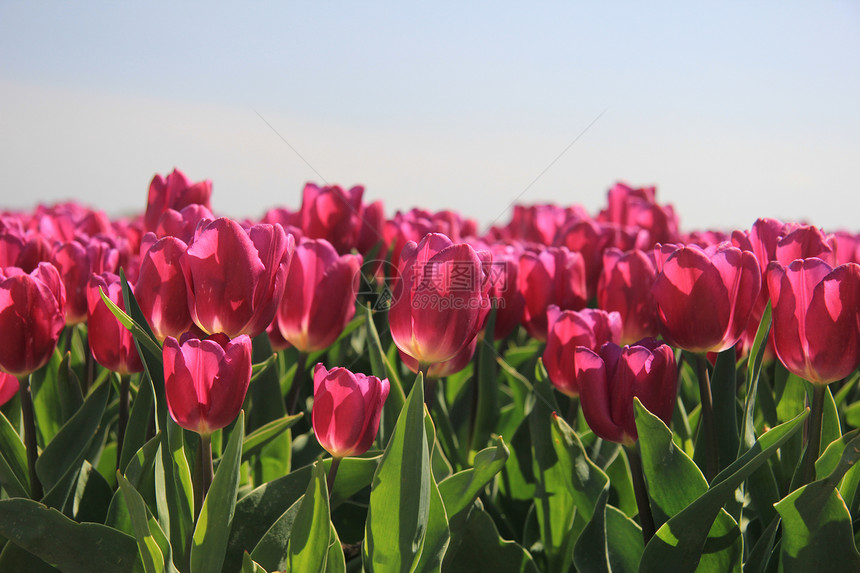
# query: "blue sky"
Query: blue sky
{"points": [[734, 110]]}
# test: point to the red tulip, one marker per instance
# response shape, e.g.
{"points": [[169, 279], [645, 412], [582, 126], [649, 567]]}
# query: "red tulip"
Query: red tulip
{"points": [[440, 299], [569, 329], [625, 287], [161, 291], [111, 343], [319, 299], [804, 242], [8, 387], [816, 332], [637, 208], [32, 316], [236, 278], [446, 368], [332, 214], [553, 275], [73, 263], [173, 192], [705, 297], [346, 411], [205, 381], [505, 297], [611, 378]]}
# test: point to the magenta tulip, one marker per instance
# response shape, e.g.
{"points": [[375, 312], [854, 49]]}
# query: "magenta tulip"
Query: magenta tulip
{"points": [[591, 328], [8, 387], [161, 290], [705, 297], [625, 287], [815, 318], [319, 299], [553, 275], [206, 380], [331, 213], [611, 378], [346, 411], [440, 298], [175, 192], [505, 297], [32, 316], [446, 368], [235, 278], [111, 343]]}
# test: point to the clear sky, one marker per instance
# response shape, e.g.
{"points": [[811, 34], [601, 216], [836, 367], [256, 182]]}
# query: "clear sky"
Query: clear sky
{"points": [[735, 110]]}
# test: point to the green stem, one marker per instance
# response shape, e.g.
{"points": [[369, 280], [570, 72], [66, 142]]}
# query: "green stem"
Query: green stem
{"points": [[332, 473], [813, 444], [122, 421], [707, 419], [298, 382], [646, 519], [203, 474], [29, 420]]}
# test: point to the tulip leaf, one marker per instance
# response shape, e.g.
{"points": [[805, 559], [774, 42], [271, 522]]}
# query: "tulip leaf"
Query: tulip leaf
{"points": [[263, 435], [400, 496], [477, 546], [725, 403], [437, 535], [683, 541], [46, 400], [138, 422], [271, 551], [586, 481], [336, 560], [251, 566], [141, 334], [272, 460], [487, 409], [138, 469], [756, 356], [69, 395], [13, 461], [460, 490], [381, 368], [307, 549], [611, 542], [174, 494], [209, 544], [152, 543], [70, 546], [817, 527]]}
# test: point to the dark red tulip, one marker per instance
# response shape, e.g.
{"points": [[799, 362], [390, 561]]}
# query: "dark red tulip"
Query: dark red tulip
{"points": [[816, 332], [161, 290], [625, 287], [440, 299], [111, 343], [346, 411], [319, 299], [705, 297], [235, 278], [32, 316], [553, 275], [73, 263], [175, 192], [611, 378], [205, 381], [569, 329]]}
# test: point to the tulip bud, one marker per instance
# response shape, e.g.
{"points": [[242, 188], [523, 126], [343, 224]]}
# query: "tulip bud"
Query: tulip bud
{"points": [[332, 214], [205, 381], [815, 318], [32, 316], [111, 343], [611, 378], [173, 192], [346, 411], [625, 287]]}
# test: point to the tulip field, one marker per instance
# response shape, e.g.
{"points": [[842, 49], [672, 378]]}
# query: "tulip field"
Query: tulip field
{"points": [[333, 387]]}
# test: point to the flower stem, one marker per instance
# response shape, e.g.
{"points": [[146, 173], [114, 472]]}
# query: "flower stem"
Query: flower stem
{"points": [[707, 420], [332, 473], [203, 474], [298, 382], [813, 444], [641, 492], [29, 420], [122, 421]]}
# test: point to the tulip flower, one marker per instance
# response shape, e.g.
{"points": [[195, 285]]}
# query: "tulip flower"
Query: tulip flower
{"points": [[804, 242], [173, 192], [32, 316], [447, 368], [637, 208], [332, 214], [625, 287], [205, 381], [8, 387], [705, 297], [610, 378], [346, 411], [319, 298], [815, 318], [111, 343], [235, 279], [161, 290], [569, 329], [440, 299], [550, 276], [505, 297]]}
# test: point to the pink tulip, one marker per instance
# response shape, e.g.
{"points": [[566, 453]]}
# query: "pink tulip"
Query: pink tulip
{"points": [[446, 368], [705, 297], [205, 381], [32, 316], [235, 278], [319, 299], [610, 378], [816, 332], [111, 343], [591, 328], [553, 275], [346, 411], [505, 297], [175, 192], [331, 213], [8, 387], [161, 290], [804, 242], [625, 287], [440, 300]]}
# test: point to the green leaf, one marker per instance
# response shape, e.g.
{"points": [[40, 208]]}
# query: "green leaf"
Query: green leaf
{"points": [[336, 561], [680, 543], [309, 539], [586, 481], [381, 368], [724, 393], [817, 527], [209, 543], [400, 493], [437, 535], [174, 494], [68, 388], [477, 546], [756, 356], [263, 435], [152, 543], [271, 551], [139, 468], [460, 490], [138, 422], [71, 547], [140, 333], [611, 542], [487, 408], [46, 400], [13, 461], [250, 566], [272, 460]]}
